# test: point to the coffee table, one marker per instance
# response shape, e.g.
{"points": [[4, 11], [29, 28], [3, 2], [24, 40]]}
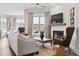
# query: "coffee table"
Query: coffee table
{"points": [[45, 40]]}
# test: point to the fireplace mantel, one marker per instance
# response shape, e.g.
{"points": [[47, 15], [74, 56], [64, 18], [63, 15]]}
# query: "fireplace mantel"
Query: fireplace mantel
{"points": [[57, 28], [58, 24]]}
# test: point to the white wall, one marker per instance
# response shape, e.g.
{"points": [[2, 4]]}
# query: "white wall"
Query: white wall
{"points": [[75, 39], [65, 8], [59, 8]]}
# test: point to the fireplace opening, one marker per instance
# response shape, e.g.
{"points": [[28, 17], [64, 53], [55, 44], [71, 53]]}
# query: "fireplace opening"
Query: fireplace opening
{"points": [[58, 34]]}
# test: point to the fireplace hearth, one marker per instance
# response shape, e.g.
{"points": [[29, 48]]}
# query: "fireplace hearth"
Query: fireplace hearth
{"points": [[58, 34]]}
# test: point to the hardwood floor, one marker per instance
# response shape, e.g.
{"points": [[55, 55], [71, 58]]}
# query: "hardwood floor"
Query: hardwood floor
{"points": [[5, 50]]}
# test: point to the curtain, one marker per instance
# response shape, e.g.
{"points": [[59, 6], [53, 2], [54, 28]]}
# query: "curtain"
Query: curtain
{"points": [[8, 23], [47, 24], [14, 22], [30, 21], [11, 23]]}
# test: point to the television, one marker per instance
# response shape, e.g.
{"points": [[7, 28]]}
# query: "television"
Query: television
{"points": [[57, 18]]}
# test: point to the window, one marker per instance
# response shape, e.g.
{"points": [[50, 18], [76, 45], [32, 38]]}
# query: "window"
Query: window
{"points": [[3, 24], [35, 20], [42, 20], [38, 23], [20, 22]]}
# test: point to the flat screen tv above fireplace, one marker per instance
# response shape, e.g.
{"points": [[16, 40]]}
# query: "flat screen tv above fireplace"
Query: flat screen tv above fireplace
{"points": [[57, 18]]}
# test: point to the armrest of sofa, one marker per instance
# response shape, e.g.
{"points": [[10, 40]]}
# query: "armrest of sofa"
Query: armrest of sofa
{"points": [[30, 42], [23, 40], [27, 46]]}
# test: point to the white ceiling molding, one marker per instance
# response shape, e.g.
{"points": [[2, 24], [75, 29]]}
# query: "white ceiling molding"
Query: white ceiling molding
{"points": [[37, 10]]}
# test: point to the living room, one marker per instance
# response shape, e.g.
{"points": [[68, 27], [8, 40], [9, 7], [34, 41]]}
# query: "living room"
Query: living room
{"points": [[31, 29]]}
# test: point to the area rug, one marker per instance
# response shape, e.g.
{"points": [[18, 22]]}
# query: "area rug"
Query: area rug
{"points": [[48, 50]]}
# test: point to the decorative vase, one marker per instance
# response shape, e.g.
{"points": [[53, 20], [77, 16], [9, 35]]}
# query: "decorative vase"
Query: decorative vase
{"points": [[41, 35]]}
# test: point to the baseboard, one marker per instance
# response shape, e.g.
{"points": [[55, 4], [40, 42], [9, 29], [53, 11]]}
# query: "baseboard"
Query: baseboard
{"points": [[76, 51]]}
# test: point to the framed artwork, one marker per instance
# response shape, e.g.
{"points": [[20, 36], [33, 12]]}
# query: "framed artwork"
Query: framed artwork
{"points": [[72, 16]]}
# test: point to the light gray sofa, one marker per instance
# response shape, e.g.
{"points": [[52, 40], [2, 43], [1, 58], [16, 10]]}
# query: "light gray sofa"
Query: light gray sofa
{"points": [[22, 45]]}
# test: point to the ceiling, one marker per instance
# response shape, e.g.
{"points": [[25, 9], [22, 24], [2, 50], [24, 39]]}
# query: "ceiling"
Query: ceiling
{"points": [[18, 8]]}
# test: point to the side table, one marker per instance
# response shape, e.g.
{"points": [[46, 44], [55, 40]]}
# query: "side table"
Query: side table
{"points": [[58, 50]]}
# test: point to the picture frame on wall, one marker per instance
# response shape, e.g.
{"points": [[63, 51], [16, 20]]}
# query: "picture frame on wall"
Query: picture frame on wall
{"points": [[72, 13]]}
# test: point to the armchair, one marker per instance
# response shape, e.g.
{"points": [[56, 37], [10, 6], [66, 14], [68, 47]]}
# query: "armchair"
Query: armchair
{"points": [[65, 41]]}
